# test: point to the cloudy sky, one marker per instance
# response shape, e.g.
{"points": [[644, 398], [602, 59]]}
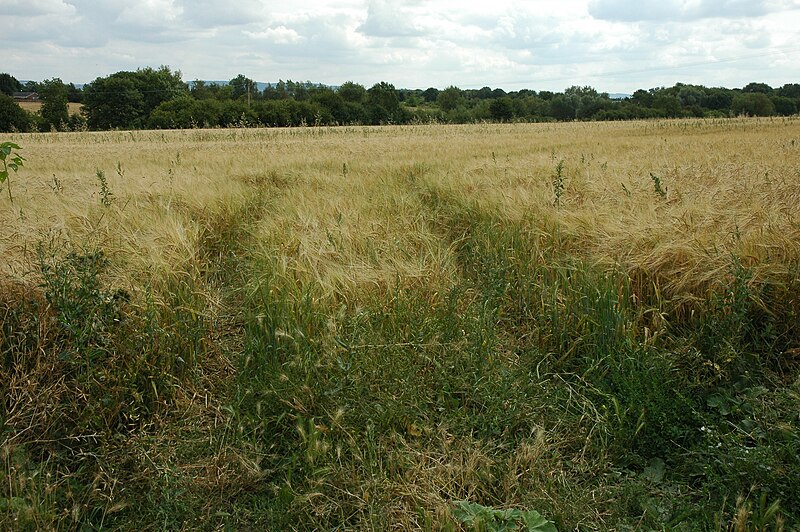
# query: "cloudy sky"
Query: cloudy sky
{"points": [[613, 45]]}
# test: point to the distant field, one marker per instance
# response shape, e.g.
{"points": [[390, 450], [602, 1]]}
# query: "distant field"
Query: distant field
{"points": [[74, 108], [373, 327]]}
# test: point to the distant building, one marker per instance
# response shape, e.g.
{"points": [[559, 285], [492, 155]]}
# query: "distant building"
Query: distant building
{"points": [[26, 97]]}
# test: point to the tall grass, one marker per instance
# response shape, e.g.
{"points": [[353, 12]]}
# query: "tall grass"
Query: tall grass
{"points": [[363, 328]]}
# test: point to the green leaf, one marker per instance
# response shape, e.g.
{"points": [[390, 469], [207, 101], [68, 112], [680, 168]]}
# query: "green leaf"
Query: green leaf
{"points": [[720, 402], [536, 523], [655, 471], [3, 175], [487, 518]]}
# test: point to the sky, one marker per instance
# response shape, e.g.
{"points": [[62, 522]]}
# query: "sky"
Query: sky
{"points": [[611, 45]]}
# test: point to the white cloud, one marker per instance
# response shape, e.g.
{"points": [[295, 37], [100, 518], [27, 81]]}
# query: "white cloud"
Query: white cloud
{"points": [[615, 45], [278, 35], [386, 18], [661, 10], [32, 8]]}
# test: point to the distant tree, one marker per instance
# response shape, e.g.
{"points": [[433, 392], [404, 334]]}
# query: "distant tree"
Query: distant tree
{"points": [[717, 99], [74, 94], [242, 86], [159, 85], [430, 94], [690, 95], [501, 109], [55, 108], [383, 104], [352, 92], [790, 90], [114, 102], [484, 93], [275, 91], [12, 116], [31, 86], [579, 91], [9, 84], [126, 99], [762, 88], [669, 105], [413, 99], [299, 90], [753, 104], [332, 102], [784, 106], [562, 107], [199, 90], [643, 98], [185, 113], [450, 98], [534, 107]]}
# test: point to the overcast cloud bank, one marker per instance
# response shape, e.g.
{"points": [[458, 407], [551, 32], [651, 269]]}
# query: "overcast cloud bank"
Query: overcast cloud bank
{"points": [[615, 45]]}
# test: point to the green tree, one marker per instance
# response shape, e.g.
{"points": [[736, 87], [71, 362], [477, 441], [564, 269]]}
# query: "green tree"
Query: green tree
{"points": [[762, 88], [55, 108], [332, 102], [242, 86], [563, 107], [670, 106], [74, 94], [430, 94], [717, 99], [185, 113], [484, 93], [690, 95], [501, 109], [31, 86], [125, 99], [352, 92], [383, 104], [790, 90], [784, 106], [9, 84], [643, 98], [12, 116], [450, 98], [113, 102], [200, 90], [753, 104], [159, 85]]}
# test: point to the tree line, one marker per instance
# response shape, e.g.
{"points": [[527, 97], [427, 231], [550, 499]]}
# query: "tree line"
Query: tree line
{"points": [[159, 99]]}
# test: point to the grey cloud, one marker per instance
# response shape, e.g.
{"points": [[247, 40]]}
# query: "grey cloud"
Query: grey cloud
{"points": [[388, 19], [642, 10], [29, 8], [215, 13]]}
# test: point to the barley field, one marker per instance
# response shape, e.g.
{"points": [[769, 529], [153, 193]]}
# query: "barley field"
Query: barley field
{"points": [[585, 326], [33, 107]]}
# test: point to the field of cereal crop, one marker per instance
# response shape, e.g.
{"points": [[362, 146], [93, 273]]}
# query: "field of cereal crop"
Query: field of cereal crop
{"points": [[371, 327]]}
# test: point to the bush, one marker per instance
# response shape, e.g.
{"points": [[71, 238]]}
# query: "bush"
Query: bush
{"points": [[13, 117]]}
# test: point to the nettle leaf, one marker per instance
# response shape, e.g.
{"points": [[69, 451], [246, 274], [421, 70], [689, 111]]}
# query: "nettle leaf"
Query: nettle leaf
{"points": [[536, 523], [487, 518]]}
